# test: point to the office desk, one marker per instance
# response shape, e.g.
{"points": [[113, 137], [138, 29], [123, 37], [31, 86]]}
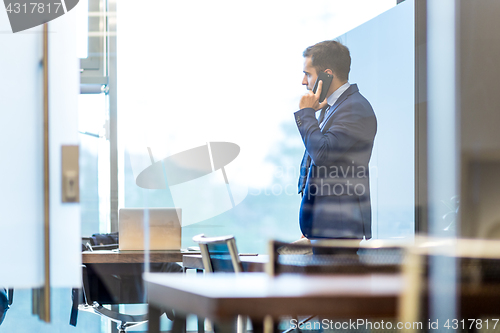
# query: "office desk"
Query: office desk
{"points": [[131, 257], [251, 263], [103, 267], [221, 297]]}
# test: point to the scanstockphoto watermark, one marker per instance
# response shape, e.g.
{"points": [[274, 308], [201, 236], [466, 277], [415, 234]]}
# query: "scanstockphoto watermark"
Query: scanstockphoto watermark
{"points": [[338, 181], [358, 324], [365, 324]]}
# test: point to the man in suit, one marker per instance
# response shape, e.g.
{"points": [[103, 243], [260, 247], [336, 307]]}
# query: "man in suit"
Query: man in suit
{"points": [[334, 177]]}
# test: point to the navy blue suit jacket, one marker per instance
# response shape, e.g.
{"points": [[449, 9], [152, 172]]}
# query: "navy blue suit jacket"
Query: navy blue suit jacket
{"points": [[336, 197]]}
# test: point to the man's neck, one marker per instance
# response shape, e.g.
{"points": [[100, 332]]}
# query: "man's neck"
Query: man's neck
{"points": [[332, 99], [336, 84]]}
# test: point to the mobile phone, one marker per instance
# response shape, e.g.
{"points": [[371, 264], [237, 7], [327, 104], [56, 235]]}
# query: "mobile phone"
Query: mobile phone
{"points": [[327, 80]]}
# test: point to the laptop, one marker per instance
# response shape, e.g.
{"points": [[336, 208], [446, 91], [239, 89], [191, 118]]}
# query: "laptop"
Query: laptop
{"points": [[164, 229]]}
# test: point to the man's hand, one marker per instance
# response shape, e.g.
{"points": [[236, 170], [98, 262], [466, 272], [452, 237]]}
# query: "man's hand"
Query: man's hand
{"points": [[311, 100]]}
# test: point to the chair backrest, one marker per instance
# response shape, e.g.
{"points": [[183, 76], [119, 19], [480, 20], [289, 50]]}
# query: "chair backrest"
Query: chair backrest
{"points": [[341, 257], [219, 254], [100, 242]]}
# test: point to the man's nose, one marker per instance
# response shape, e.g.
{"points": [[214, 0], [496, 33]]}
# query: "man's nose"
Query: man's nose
{"points": [[304, 81]]}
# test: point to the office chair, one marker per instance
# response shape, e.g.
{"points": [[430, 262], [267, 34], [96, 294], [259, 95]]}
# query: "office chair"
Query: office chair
{"points": [[219, 254], [109, 284], [333, 257], [97, 291]]}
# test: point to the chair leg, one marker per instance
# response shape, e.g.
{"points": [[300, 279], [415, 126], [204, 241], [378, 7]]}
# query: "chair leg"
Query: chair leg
{"points": [[258, 326], [121, 328], [169, 313]]}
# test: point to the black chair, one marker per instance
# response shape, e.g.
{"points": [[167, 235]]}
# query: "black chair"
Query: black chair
{"points": [[101, 287], [109, 284], [334, 257]]}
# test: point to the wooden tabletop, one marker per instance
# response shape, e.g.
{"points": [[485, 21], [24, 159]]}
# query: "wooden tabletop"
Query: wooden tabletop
{"points": [[119, 257], [251, 263], [222, 295]]}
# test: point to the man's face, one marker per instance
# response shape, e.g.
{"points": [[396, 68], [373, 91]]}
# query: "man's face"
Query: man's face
{"points": [[310, 74]]}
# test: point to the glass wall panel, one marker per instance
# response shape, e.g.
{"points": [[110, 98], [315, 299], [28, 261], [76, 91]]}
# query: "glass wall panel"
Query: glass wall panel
{"points": [[383, 66]]}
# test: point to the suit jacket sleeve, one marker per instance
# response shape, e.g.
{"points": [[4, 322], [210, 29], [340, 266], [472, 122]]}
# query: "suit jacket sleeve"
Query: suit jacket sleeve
{"points": [[347, 126]]}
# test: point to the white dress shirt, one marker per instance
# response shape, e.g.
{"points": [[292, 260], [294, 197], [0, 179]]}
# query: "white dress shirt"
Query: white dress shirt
{"points": [[333, 98]]}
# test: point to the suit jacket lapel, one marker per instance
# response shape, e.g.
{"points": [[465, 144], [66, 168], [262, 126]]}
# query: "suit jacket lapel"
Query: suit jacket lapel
{"points": [[352, 89]]}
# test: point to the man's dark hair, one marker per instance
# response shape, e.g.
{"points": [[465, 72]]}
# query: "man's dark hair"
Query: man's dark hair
{"points": [[332, 55]]}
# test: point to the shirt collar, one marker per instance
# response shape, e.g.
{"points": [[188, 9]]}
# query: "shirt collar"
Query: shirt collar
{"points": [[336, 94]]}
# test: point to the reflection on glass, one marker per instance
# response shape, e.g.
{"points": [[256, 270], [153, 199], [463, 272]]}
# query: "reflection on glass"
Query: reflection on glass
{"points": [[383, 68]]}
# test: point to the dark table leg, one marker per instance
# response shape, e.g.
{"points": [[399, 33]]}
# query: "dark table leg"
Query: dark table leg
{"points": [[258, 325], [226, 326], [201, 325], [201, 320], [179, 324], [153, 319]]}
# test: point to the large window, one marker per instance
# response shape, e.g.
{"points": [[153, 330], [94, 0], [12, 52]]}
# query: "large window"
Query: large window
{"points": [[189, 75]]}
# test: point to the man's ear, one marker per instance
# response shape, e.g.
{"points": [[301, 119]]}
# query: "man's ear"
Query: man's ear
{"points": [[329, 71]]}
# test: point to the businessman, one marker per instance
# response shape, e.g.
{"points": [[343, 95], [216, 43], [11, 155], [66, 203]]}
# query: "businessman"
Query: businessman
{"points": [[334, 176]]}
